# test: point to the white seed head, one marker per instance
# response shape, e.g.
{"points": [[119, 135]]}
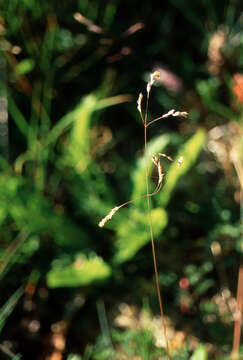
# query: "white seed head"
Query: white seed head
{"points": [[139, 102], [171, 112], [216, 248], [109, 216], [160, 172], [154, 76], [180, 113], [184, 114]]}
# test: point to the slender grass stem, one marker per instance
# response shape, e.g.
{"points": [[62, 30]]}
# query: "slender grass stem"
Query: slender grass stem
{"points": [[151, 231], [238, 320], [239, 298], [161, 174]]}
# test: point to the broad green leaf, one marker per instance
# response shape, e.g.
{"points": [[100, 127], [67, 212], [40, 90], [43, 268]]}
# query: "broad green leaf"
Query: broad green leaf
{"points": [[199, 354], [79, 147], [80, 118], [82, 272], [133, 232], [189, 152], [32, 211]]}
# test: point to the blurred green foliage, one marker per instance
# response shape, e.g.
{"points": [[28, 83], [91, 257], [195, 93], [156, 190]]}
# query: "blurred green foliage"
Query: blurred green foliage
{"points": [[71, 146]]}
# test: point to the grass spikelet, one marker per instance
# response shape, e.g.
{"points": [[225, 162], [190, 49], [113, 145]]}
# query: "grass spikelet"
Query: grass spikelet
{"points": [[109, 216], [139, 102]]}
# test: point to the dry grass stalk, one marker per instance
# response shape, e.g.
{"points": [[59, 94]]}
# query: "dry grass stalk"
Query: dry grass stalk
{"points": [[156, 161], [236, 158]]}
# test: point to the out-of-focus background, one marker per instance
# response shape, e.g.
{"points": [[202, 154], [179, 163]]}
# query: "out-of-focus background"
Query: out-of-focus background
{"points": [[71, 145]]}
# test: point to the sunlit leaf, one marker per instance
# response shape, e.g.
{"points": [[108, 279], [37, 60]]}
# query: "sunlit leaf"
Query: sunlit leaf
{"points": [[25, 66], [189, 153], [133, 232], [199, 354], [82, 272]]}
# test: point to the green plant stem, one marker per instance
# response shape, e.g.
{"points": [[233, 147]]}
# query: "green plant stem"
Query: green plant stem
{"points": [[151, 233]]}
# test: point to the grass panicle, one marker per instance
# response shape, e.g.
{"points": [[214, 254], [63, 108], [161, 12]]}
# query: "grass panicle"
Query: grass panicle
{"points": [[161, 175]]}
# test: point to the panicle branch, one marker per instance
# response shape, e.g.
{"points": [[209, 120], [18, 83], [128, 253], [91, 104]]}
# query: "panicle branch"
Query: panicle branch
{"points": [[155, 159], [172, 112]]}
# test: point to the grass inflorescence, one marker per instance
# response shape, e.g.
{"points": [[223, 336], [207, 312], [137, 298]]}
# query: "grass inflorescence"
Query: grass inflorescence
{"points": [[156, 159]]}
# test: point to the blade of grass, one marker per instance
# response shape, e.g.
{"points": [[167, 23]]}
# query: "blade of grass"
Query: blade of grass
{"points": [[9, 306], [18, 117]]}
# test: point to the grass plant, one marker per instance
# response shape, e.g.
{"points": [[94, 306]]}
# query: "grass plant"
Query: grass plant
{"points": [[156, 161]]}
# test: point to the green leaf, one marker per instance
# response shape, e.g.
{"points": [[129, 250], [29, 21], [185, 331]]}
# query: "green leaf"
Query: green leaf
{"points": [[66, 121], [204, 286], [133, 232], [189, 152], [25, 66], [74, 357], [8, 307], [19, 200], [82, 272], [208, 91], [199, 354], [79, 148], [18, 117]]}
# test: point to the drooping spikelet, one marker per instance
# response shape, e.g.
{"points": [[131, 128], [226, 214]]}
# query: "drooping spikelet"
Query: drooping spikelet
{"points": [[154, 76], [109, 216], [180, 113], [161, 175], [139, 102], [166, 156], [172, 112]]}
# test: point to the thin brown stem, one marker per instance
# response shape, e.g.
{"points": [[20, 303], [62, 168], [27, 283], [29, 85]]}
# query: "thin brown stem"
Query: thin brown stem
{"points": [[238, 315], [153, 121], [157, 189], [169, 113], [116, 208], [146, 116], [141, 115], [239, 299], [151, 234]]}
